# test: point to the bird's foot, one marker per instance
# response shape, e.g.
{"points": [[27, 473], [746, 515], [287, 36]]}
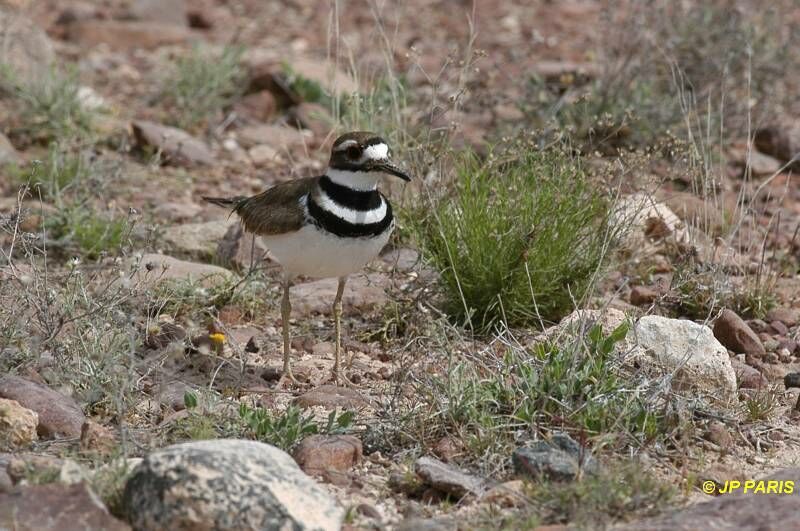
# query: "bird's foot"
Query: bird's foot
{"points": [[286, 381], [339, 378]]}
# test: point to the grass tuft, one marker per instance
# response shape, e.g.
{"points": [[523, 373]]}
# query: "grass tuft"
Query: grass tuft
{"points": [[520, 239], [200, 86]]}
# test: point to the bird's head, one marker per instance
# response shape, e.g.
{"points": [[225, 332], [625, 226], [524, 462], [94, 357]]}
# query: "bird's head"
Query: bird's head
{"points": [[359, 159]]}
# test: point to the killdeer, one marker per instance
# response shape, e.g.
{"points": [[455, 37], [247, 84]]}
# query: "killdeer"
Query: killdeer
{"points": [[326, 226]]}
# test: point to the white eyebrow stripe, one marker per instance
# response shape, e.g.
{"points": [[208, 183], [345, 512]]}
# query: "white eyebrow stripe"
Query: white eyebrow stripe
{"points": [[376, 152], [346, 144]]}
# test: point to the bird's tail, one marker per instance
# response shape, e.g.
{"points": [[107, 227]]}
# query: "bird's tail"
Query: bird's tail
{"points": [[225, 202]]}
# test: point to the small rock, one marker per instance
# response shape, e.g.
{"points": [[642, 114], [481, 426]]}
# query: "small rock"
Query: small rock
{"points": [[312, 116], [155, 268], [642, 295], [781, 140], [427, 524], [55, 507], [368, 510], [17, 425], [694, 211], [252, 345], [264, 155], [718, 433], [267, 71], [747, 376], [448, 448], [177, 211], [751, 511], [126, 34], [25, 48], [163, 334], [171, 394], [791, 380], [97, 439], [559, 459], [448, 479], [279, 137], [363, 293], [196, 240], [331, 396], [8, 154], [240, 250], [687, 350], [176, 146], [779, 328], [320, 453], [260, 105], [734, 333], [160, 11], [508, 494], [226, 484], [59, 415], [788, 316]]}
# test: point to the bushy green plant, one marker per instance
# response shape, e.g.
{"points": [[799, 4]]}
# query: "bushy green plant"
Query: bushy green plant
{"points": [[200, 86], [619, 492], [88, 232], [59, 172], [49, 108], [287, 429], [519, 240]]}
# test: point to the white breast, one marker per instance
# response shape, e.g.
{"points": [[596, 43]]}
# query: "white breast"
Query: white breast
{"points": [[314, 253]]}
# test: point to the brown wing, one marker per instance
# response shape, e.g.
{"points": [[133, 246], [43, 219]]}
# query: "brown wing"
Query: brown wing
{"points": [[277, 210]]}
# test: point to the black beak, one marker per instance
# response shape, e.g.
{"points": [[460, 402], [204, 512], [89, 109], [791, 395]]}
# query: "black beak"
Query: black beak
{"points": [[391, 169]]}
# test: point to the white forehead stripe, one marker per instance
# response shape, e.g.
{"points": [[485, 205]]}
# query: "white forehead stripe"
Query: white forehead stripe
{"points": [[376, 152]]}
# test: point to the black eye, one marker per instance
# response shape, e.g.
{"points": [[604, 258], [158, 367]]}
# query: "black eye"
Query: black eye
{"points": [[353, 152]]}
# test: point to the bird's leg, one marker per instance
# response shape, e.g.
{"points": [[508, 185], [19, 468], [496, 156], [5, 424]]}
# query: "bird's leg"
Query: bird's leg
{"points": [[286, 311], [337, 328]]}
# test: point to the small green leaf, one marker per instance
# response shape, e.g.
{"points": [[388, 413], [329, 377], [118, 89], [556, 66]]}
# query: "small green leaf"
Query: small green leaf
{"points": [[190, 400]]}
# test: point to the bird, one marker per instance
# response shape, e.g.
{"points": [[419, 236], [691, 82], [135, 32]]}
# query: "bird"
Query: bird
{"points": [[328, 226]]}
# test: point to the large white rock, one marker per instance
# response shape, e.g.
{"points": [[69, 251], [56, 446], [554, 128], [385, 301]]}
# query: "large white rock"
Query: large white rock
{"points": [[683, 350], [689, 352], [226, 484]]}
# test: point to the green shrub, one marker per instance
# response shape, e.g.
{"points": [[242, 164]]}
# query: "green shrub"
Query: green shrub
{"points": [[49, 109], [519, 240], [88, 232], [60, 172], [287, 429], [200, 86]]}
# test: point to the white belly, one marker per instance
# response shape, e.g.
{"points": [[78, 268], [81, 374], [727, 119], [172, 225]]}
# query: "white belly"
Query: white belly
{"points": [[314, 253]]}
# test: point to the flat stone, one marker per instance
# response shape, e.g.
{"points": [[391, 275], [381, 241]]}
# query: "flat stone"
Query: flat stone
{"points": [[687, 350], [641, 295], [279, 137], [447, 478], [157, 268], [226, 484], [363, 293], [127, 34], [8, 154], [17, 425], [788, 316], [196, 240], [736, 335], [97, 439], [559, 459], [320, 453], [24, 47], [331, 396], [779, 140], [751, 511], [747, 376], [175, 145], [55, 507], [59, 415]]}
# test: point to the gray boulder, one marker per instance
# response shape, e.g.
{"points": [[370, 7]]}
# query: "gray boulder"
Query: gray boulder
{"points": [[226, 484]]}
